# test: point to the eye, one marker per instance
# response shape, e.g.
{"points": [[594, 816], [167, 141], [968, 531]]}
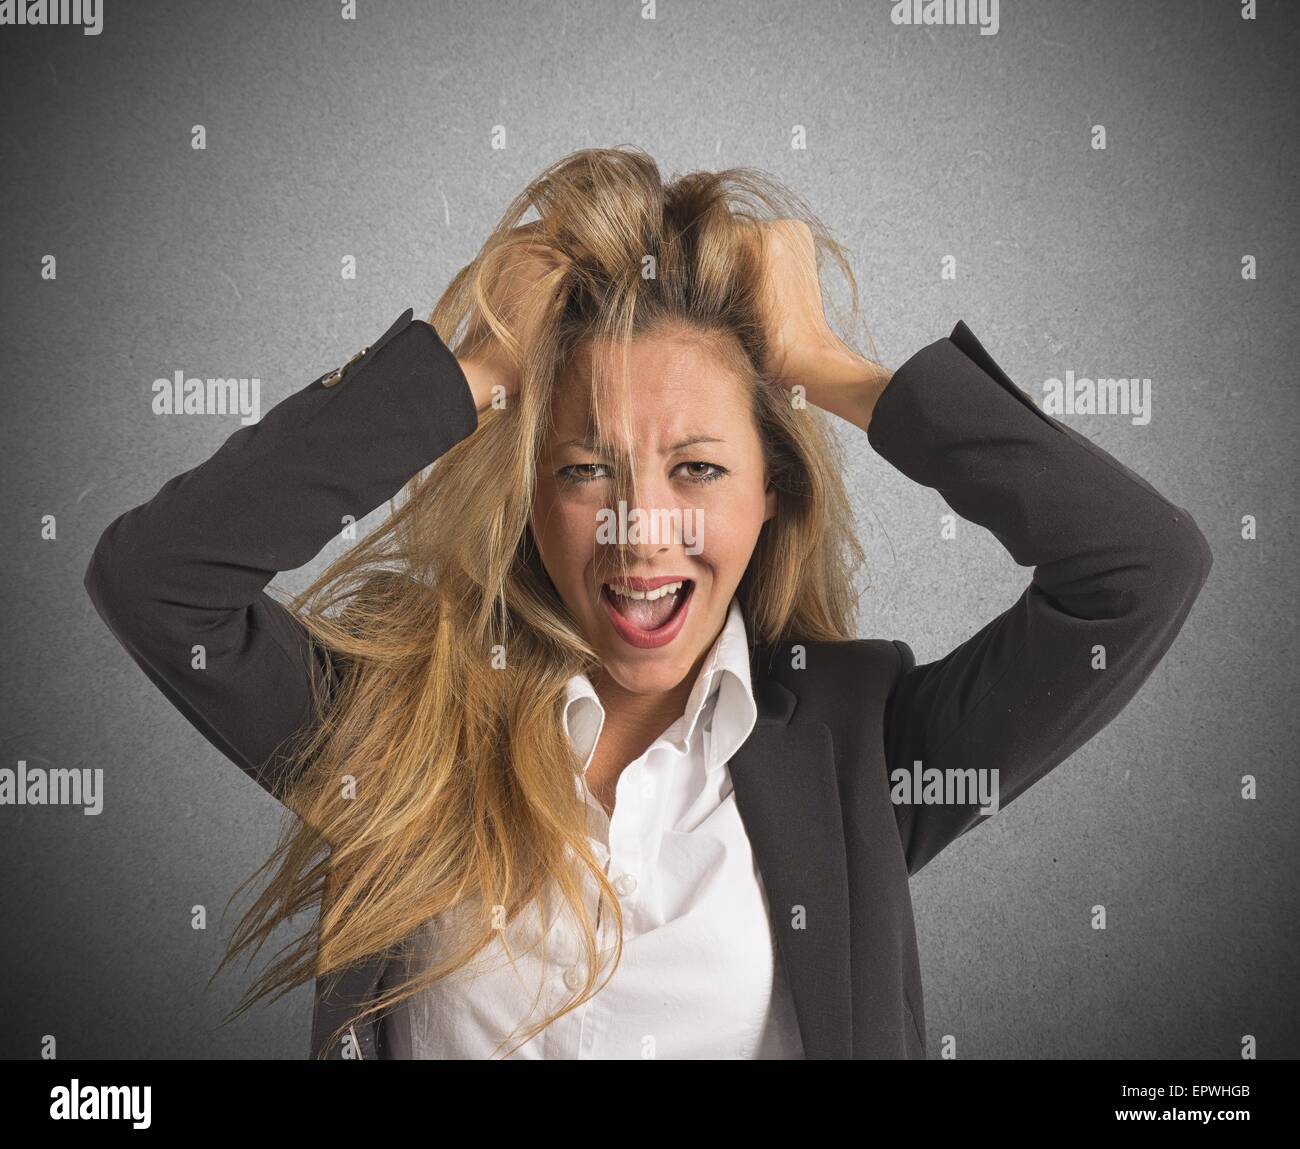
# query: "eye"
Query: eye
{"points": [[713, 474], [578, 473]]}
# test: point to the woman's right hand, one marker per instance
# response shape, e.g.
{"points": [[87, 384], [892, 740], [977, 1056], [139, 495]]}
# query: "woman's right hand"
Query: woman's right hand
{"points": [[519, 281]]}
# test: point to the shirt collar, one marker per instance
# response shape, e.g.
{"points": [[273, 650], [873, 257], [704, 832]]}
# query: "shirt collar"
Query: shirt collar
{"points": [[720, 708]]}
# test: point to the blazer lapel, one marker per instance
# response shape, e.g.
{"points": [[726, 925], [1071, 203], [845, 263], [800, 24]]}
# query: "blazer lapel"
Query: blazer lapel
{"points": [[339, 996], [788, 798]]}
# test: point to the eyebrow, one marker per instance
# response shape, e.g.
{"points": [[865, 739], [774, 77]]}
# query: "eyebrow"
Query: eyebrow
{"points": [[590, 444]]}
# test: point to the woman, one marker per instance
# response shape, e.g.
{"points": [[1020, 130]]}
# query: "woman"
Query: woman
{"points": [[600, 767]]}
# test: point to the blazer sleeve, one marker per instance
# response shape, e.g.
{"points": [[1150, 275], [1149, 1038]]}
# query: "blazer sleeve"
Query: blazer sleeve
{"points": [[1117, 567], [190, 566]]}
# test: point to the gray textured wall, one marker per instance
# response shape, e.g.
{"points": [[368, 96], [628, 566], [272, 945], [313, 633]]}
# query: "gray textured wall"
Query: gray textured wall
{"points": [[373, 138]]}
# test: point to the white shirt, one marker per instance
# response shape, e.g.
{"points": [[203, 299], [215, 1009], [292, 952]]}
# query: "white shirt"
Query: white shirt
{"points": [[700, 975]]}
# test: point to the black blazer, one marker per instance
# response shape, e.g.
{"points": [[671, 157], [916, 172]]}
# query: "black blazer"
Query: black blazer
{"points": [[1116, 565]]}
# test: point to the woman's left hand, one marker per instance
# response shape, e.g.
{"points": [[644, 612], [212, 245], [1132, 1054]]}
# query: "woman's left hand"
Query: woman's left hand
{"points": [[802, 349]]}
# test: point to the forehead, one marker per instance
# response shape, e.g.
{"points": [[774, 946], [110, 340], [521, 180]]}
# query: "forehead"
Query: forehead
{"points": [[672, 382]]}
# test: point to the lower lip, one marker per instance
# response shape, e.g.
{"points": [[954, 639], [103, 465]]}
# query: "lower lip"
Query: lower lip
{"points": [[632, 634]]}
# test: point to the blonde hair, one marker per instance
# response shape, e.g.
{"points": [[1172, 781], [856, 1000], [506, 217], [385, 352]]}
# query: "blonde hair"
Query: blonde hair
{"points": [[464, 778]]}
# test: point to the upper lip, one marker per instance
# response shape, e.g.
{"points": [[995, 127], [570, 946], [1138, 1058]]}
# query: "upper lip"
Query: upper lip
{"points": [[646, 583]]}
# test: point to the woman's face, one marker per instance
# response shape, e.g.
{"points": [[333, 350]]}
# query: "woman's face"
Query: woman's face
{"points": [[699, 478]]}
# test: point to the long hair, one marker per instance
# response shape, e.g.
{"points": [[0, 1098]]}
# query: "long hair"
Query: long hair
{"points": [[437, 773]]}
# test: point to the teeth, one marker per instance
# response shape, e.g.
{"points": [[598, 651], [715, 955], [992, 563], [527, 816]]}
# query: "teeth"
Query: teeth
{"points": [[648, 595]]}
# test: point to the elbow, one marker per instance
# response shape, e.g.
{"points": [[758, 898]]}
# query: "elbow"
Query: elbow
{"points": [[1205, 558], [1193, 557], [110, 586], [1182, 559], [99, 581]]}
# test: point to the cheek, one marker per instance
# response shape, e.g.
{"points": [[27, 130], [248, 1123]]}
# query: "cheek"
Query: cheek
{"points": [[731, 528], [566, 537]]}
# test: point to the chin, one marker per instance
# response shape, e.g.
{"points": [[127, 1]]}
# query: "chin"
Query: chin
{"points": [[648, 676]]}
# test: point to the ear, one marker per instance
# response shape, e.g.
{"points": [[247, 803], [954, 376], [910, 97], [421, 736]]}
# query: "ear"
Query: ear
{"points": [[769, 503]]}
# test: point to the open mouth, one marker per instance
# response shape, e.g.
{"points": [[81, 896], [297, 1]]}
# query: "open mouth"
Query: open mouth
{"points": [[647, 615]]}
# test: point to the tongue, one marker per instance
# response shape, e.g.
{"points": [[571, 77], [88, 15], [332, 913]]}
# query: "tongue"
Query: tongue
{"points": [[648, 614]]}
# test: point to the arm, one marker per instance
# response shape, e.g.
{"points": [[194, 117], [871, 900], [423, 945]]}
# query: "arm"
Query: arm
{"points": [[190, 566], [1116, 565]]}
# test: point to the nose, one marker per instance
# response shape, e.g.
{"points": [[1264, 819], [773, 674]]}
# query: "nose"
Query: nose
{"points": [[656, 498]]}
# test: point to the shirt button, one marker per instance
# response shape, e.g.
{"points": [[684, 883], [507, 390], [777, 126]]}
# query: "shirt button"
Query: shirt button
{"points": [[625, 884], [573, 977]]}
